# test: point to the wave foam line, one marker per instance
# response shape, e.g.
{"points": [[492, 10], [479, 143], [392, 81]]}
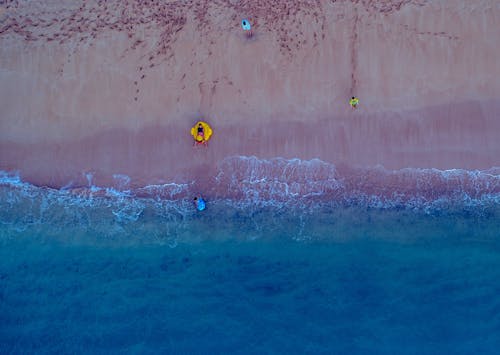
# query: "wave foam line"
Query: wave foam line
{"points": [[250, 182], [279, 179]]}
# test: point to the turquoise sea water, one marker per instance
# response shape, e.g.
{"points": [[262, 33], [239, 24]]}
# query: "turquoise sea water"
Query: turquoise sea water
{"points": [[86, 272]]}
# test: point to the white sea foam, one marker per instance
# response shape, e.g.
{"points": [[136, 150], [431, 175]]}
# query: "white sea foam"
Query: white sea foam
{"points": [[244, 187]]}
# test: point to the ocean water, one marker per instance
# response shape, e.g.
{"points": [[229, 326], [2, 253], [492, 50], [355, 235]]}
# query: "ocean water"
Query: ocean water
{"points": [[288, 257]]}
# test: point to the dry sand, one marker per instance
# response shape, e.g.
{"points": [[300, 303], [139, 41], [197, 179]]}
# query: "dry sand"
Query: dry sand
{"points": [[112, 87]]}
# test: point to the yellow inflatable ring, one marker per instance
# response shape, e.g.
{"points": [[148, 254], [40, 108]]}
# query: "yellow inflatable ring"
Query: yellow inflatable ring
{"points": [[207, 132]]}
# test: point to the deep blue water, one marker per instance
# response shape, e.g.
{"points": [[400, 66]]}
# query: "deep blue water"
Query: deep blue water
{"points": [[362, 292], [83, 272]]}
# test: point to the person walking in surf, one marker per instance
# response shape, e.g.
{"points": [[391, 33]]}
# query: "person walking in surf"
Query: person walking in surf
{"points": [[199, 203]]}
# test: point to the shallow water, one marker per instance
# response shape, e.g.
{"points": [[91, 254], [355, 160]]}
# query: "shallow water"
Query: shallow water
{"points": [[86, 272], [359, 292]]}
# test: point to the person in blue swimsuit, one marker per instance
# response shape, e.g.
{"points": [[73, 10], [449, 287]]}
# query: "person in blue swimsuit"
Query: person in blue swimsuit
{"points": [[247, 28], [199, 203]]}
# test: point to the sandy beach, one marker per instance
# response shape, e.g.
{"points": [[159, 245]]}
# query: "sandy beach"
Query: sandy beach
{"points": [[113, 87]]}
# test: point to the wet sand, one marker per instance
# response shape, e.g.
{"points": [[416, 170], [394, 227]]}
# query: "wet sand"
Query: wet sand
{"points": [[112, 87]]}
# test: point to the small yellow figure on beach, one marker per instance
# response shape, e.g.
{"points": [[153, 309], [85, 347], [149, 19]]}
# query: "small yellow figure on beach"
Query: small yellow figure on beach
{"points": [[354, 101], [201, 133]]}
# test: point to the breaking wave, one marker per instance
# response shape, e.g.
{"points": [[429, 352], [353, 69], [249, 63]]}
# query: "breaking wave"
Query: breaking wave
{"points": [[262, 181], [280, 195]]}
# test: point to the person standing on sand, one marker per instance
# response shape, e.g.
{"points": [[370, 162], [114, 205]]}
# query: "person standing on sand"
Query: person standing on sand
{"points": [[200, 137], [354, 101], [200, 130], [245, 24]]}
